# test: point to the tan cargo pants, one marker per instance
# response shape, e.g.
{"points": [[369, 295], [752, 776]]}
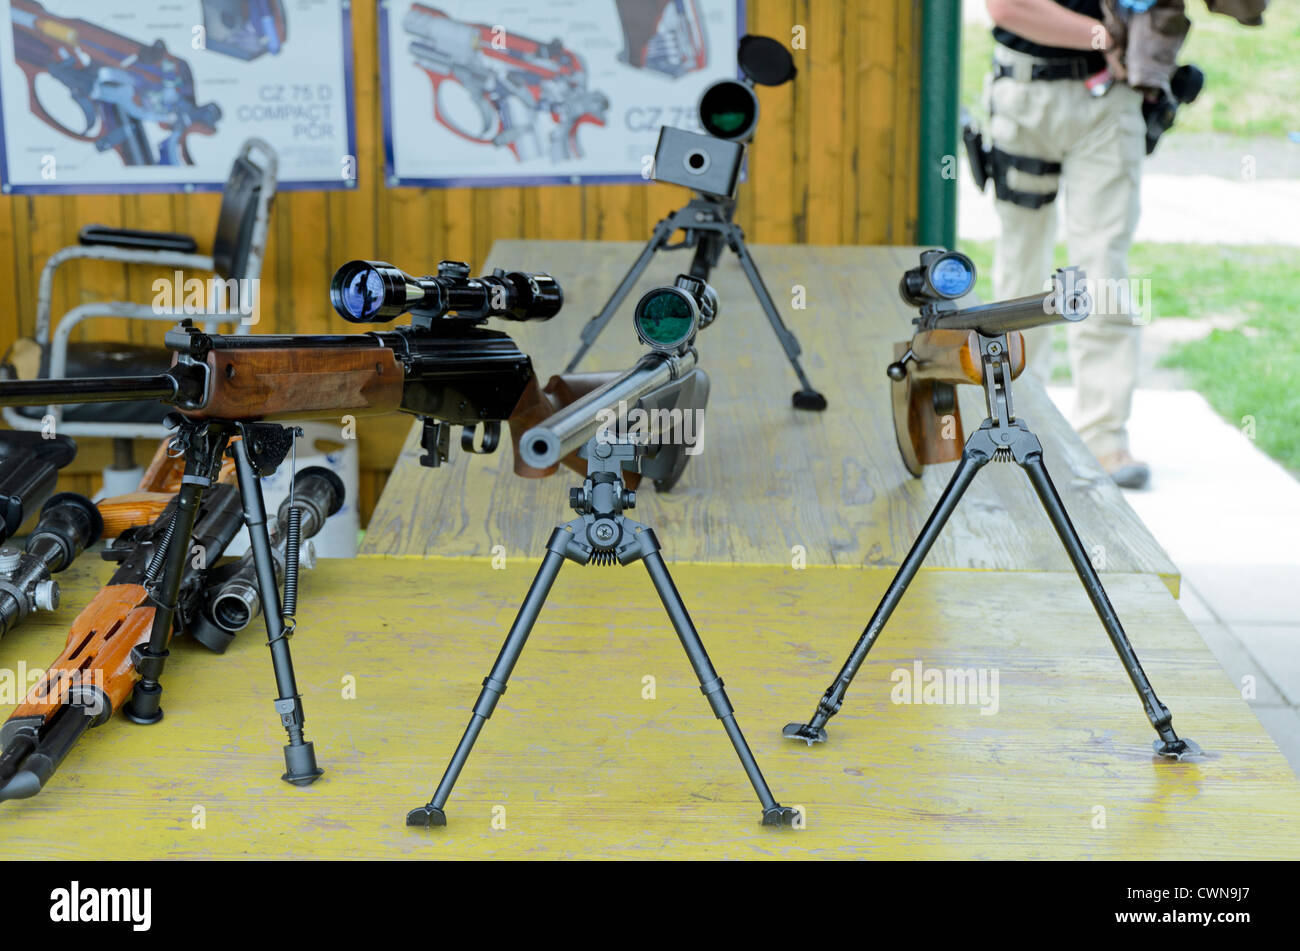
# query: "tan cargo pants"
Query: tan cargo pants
{"points": [[1099, 143]]}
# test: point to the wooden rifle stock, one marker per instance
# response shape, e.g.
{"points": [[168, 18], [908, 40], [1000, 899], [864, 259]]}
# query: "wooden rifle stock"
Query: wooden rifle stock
{"points": [[927, 417], [285, 383], [120, 616], [540, 402]]}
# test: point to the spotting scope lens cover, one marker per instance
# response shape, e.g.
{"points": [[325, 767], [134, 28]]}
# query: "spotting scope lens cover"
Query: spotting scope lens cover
{"points": [[765, 61], [941, 276], [366, 292]]}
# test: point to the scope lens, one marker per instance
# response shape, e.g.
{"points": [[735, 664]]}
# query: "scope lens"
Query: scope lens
{"points": [[362, 294], [728, 110], [952, 276], [665, 319]]}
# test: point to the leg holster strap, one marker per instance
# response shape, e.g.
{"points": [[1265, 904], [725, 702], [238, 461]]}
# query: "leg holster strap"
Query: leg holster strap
{"points": [[1003, 162]]}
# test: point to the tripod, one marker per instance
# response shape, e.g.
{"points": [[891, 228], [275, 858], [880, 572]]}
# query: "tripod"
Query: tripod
{"points": [[1004, 438], [601, 535], [259, 451], [706, 224]]}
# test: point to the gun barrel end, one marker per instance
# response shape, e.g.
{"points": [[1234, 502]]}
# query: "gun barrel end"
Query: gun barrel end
{"points": [[540, 448]]}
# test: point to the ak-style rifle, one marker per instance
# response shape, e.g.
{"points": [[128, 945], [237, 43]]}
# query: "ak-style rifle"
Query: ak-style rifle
{"points": [[98, 668], [443, 368]]}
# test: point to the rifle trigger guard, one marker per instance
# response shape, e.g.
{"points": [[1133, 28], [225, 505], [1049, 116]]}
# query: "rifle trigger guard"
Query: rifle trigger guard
{"points": [[491, 438]]}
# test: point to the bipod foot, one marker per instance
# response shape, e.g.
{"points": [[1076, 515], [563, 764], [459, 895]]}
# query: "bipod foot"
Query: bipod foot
{"points": [[145, 705], [809, 400], [780, 815], [802, 731], [426, 816], [1176, 749], [300, 764]]}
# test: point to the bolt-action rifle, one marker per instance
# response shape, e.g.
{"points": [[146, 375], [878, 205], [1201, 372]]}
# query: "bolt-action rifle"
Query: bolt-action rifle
{"points": [[980, 345], [636, 423]]}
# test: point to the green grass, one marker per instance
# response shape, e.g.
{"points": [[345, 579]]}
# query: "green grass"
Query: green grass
{"points": [[1252, 74], [1251, 370]]}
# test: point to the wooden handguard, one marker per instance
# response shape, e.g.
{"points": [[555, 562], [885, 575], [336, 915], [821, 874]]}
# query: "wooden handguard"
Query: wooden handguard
{"points": [[301, 383], [98, 649], [539, 403], [927, 417]]}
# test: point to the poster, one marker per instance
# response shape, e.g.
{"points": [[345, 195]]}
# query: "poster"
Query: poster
{"points": [[124, 95], [513, 92]]}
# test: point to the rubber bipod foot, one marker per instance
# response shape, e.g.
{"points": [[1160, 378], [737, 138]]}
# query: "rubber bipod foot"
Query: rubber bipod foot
{"points": [[780, 815], [1176, 749], [300, 764], [426, 816], [809, 400], [144, 707], [805, 733]]}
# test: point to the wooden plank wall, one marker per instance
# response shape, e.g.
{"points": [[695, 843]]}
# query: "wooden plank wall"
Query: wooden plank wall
{"points": [[834, 163]]}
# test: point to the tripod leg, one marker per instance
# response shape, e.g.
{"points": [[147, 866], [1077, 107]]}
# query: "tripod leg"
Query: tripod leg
{"points": [[774, 814], [145, 704], [299, 754], [1169, 744], [594, 326], [494, 685], [806, 398], [814, 731]]}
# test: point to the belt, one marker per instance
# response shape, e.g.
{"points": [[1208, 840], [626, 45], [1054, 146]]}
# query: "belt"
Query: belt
{"points": [[1048, 69]]}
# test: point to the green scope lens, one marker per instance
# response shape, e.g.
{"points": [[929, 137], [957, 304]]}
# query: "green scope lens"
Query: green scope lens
{"points": [[666, 319]]}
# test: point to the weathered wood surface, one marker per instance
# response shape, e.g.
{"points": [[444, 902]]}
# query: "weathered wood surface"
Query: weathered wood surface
{"points": [[770, 478], [584, 767]]}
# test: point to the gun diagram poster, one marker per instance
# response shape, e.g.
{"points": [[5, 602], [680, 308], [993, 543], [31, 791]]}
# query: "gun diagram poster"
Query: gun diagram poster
{"points": [[121, 96], [515, 92]]}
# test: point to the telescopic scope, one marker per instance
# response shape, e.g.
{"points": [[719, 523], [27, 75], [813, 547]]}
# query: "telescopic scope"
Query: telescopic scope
{"points": [[668, 318], [367, 292], [729, 109], [941, 276]]}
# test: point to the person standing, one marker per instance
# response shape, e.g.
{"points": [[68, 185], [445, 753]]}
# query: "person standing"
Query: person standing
{"points": [[1062, 133]]}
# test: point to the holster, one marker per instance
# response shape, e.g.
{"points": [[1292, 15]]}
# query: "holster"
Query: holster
{"points": [[976, 154], [1003, 162]]}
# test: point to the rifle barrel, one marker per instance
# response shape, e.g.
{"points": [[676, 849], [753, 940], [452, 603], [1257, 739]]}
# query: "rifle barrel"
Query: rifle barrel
{"points": [[99, 389], [1068, 300], [568, 430]]}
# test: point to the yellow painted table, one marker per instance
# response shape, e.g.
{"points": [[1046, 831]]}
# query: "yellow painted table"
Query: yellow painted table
{"points": [[770, 478], [577, 762]]}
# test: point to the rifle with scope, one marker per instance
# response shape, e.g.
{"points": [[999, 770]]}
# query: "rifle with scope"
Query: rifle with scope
{"points": [[444, 367], [945, 352], [656, 403]]}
